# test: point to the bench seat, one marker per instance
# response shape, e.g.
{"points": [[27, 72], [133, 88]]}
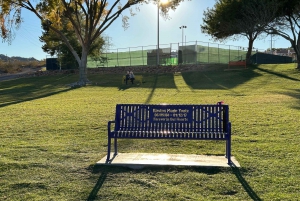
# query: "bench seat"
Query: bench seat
{"points": [[170, 135]]}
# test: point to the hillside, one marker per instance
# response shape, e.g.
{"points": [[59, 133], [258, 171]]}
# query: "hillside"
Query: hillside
{"points": [[15, 58]]}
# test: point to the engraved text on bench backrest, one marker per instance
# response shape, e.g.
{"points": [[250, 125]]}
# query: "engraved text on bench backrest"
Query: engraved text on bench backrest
{"points": [[171, 118]]}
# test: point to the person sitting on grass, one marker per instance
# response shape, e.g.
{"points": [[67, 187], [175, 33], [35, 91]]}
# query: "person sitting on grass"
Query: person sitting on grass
{"points": [[131, 76]]}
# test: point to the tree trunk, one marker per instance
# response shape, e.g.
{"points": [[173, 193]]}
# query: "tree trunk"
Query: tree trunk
{"points": [[297, 51], [82, 63], [298, 62], [297, 54], [249, 52]]}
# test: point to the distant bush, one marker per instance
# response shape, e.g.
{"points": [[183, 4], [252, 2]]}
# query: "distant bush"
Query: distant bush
{"points": [[8, 67]]}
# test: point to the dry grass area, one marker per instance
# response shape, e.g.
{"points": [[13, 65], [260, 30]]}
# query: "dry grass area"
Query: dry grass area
{"points": [[10, 69], [16, 66]]}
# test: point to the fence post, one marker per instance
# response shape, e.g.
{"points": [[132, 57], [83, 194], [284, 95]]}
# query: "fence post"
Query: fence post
{"points": [[179, 55], [118, 57], [143, 55], [229, 53], [129, 57], [218, 53], [196, 49], [207, 52], [106, 60]]}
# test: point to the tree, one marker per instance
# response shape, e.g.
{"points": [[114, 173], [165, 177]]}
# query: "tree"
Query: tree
{"points": [[230, 19], [7, 21], [287, 24], [97, 16], [53, 45]]}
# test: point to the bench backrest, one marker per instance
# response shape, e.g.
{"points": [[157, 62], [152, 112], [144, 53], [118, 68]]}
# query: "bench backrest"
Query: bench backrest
{"points": [[172, 118]]}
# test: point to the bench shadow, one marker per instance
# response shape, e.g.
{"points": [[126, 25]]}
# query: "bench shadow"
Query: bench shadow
{"points": [[100, 182], [236, 171], [106, 170]]}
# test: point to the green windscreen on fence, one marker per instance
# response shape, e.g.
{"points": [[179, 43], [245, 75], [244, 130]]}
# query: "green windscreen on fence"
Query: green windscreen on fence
{"points": [[173, 54]]}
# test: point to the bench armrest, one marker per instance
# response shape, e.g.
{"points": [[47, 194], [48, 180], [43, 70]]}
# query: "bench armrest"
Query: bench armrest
{"points": [[109, 126]]}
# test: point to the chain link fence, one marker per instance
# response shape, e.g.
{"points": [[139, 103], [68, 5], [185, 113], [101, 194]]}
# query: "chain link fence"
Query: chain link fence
{"points": [[195, 52]]}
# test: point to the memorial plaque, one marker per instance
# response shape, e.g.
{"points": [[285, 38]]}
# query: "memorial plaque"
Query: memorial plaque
{"points": [[171, 114]]}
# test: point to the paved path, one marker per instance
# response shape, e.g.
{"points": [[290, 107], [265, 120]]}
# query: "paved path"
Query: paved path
{"points": [[8, 76]]}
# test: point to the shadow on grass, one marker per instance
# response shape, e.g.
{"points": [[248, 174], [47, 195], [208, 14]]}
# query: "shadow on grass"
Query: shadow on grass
{"points": [[277, 74], [115, 80], [152, 91], [246, 186], [124, 87], [98, 185], [33, 98], [218, 79], [28, 89], [295, 94], [105, 170], [165, 81], [195, 80]]}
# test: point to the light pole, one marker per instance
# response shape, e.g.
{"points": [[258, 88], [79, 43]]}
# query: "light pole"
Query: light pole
{"points": [[158, 2], [157, 51], [182, 27]]}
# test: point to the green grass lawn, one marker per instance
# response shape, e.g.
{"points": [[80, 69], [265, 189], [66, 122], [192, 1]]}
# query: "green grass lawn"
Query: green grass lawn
{"points": [[51, 136]]}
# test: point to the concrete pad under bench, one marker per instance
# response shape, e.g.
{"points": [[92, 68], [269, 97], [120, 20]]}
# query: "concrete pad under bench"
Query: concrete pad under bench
{"points": [[157, 159]]}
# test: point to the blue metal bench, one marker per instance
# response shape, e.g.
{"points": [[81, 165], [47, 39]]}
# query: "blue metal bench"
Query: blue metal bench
{"points": [[182, 122]]}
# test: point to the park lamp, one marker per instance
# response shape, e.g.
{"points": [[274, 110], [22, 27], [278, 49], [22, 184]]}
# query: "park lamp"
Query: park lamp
{"points": [[182, 27]]}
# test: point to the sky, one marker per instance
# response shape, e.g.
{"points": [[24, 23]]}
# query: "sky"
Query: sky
{"points": [[142, 31]]}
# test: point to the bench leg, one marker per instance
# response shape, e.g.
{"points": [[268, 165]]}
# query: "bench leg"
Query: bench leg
{"points": [[228, 150], [108, 149], [116, 146]]}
